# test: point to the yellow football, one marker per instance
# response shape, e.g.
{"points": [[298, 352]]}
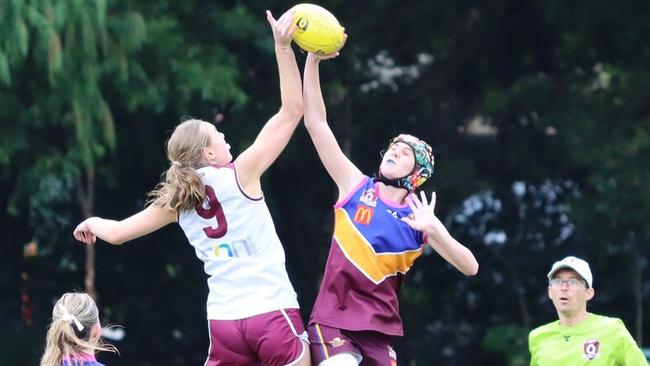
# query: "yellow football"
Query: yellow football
{"points": [[318, 30]]}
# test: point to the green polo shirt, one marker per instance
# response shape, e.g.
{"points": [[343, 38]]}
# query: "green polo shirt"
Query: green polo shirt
{"points": [[597, 341]]}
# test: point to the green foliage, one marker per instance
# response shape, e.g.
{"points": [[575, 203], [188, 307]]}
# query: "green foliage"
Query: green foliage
{"points": [[607, 130], [73, 45], [510, 340], [549, 96]]}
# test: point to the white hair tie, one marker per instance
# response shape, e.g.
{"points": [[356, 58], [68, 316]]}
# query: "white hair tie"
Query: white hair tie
{"points": [[71, 318]]}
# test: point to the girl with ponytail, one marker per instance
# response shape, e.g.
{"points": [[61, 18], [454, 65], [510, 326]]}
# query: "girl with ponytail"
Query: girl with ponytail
{"points": [[73, 337], [220, 206]]}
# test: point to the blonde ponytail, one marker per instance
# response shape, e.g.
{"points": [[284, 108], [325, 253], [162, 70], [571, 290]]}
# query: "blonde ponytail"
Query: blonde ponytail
{"points": [[74, 317], [182, 188]]}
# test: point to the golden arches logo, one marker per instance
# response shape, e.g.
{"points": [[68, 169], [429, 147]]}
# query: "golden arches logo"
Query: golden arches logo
{"points": [[363, 215]]}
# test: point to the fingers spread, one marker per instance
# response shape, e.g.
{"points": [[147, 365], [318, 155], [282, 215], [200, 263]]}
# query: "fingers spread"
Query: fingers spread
{"points": [[433, 199], [415, 200], [412, 205], [287, 17], [424, 198], [270, 18]]}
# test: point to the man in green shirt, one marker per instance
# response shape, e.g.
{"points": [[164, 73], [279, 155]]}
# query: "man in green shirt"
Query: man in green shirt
{"points": [[578, 337]]}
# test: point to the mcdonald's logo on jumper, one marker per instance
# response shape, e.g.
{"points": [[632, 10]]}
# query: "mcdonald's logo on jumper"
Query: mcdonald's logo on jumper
{"points": [[363, 215]]}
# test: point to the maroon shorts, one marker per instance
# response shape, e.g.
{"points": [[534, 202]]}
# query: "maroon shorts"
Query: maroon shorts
{"points": [[275, 338], [374, 348]]}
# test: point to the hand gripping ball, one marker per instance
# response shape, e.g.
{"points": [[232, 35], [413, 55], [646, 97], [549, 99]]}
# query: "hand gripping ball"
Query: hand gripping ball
{"points": [[318, 30]]}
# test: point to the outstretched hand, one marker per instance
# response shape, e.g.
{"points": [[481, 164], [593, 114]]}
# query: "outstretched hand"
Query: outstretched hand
{"points": [[283, 28], [423, 217], [83, 234], [329, 55]]}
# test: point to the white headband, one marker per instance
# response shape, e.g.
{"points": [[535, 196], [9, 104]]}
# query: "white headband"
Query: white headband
{"points": [[70, 318]]}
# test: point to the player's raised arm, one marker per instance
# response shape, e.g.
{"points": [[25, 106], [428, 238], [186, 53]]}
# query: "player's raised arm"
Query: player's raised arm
{"points": [[344, 173], [275, 134]]}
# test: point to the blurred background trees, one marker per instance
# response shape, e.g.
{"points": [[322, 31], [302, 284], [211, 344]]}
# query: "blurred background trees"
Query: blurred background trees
{"points": [[538, 113]]}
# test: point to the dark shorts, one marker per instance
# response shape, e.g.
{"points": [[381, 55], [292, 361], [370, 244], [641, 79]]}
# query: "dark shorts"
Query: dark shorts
{"points": [[275, 338], [374, 348]]}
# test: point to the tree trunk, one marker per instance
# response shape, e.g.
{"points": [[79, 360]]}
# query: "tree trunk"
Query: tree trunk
{"points": [[90, 271], [86, 197]]}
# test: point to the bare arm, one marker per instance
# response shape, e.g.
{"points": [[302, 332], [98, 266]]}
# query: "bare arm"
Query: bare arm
{"points": [[144, 222], [438, 237], [275, 134], [344, 173]]}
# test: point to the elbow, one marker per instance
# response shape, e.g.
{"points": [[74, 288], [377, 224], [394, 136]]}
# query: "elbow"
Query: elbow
{"points": [[293, 111], [113, 237], [114, 241], [311, 121]]}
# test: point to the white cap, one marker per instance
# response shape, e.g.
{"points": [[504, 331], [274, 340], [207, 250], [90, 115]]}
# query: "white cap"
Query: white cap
{"points": [[576, 264]]}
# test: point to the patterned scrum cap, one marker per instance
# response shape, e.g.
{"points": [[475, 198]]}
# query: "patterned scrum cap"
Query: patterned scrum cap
{"points": [[424, 161]]}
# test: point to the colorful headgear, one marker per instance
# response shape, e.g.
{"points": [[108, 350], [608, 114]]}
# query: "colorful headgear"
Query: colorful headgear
{"points": [[423, 168]]}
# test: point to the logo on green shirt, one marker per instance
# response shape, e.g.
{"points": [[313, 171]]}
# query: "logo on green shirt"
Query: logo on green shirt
{"points": [[591, 347]]}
